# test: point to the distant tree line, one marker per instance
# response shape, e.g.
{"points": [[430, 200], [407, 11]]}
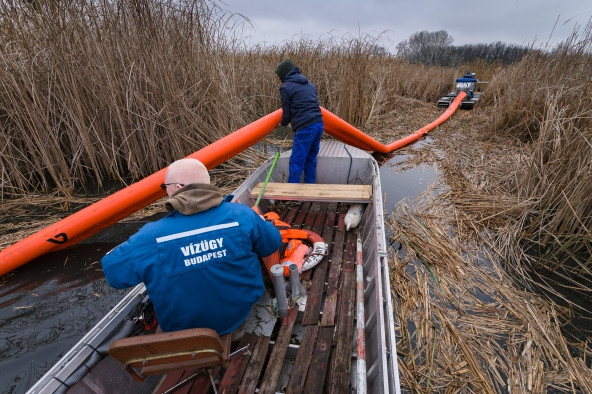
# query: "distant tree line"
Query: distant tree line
{"points": [[436, 49]]}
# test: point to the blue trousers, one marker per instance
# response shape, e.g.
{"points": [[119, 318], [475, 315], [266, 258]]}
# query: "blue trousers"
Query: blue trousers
{"points": [[304, 153]]}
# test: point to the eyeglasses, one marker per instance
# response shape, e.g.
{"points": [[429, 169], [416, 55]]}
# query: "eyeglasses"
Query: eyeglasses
{"points": [[163, 186]]}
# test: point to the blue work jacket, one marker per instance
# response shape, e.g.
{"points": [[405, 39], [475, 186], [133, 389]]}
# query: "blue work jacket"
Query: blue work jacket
{"points": [[200, 270]]}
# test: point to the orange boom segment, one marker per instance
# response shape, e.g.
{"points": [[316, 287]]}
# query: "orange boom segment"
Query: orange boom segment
{"points": [[345, 132], [100, 215]]}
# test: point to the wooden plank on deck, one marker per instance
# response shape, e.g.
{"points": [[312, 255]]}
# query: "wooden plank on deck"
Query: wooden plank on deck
{"points": [[339, 376], [301, 214], [313, 215], [238, 364], [315, 293], [315, 379], [314, 192], [251, 376], [329, 307], [349, 254], [289, 215], [303, 359], [276, 359]]}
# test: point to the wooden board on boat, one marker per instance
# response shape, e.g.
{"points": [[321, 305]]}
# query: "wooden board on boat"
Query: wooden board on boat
{"points": [[314, 192]]}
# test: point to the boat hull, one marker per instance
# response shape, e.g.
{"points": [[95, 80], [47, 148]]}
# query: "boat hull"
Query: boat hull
{"points": [[338, 163]]}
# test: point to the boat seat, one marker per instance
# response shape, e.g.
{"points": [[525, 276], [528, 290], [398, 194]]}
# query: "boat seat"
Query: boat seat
{"points": [[314, 192], [155, 354]]}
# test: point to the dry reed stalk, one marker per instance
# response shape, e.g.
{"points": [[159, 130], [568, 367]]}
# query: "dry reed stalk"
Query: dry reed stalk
{"points": [[488, 335], [544, 101], [117, 90]]}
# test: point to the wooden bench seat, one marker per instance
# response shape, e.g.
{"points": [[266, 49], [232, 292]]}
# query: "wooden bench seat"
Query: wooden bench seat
{"points": [[314, 192], [154, 354]]}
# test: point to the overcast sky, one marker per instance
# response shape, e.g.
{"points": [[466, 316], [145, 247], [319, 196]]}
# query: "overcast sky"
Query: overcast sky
{"points": [[521, 22]]}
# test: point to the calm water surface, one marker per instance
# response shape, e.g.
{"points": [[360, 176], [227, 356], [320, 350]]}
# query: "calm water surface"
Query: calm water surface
{"points": [[47, 305]]}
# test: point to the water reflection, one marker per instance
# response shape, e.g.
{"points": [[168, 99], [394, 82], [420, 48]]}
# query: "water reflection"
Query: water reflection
{"points": [[46, 306], [400, 181], [399, 184]]}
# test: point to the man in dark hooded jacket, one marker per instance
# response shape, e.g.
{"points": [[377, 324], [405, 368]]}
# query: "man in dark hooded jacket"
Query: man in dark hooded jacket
{"points": [[300, 106]]}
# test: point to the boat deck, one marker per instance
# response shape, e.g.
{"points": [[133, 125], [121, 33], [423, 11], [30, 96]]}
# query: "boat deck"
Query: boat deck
{"points": [[309, 350]]}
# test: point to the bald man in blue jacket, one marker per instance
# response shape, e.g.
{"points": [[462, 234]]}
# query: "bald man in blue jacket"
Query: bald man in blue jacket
{"points": [[200, 264]]}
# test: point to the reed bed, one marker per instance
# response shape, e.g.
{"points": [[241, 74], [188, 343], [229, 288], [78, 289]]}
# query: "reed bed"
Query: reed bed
{"points": [[495, 263], [463, 324], [493, 281], [544, 105], [97, 92], [102, 91]]}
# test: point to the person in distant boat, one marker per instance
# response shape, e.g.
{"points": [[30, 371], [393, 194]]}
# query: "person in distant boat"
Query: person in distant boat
{"points": [[200, 263], [300, 107], [469, 74]]}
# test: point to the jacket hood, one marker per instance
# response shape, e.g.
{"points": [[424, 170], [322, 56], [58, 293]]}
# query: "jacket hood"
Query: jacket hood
{"points": [[194, 198], [295, 76]]}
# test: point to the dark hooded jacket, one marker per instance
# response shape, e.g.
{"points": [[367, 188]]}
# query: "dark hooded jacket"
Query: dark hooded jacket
{"points": [[300, 104]]}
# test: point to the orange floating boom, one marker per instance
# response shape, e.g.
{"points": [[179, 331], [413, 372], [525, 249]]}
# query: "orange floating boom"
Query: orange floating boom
{"points": [[102, 214], [347, 133]]}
